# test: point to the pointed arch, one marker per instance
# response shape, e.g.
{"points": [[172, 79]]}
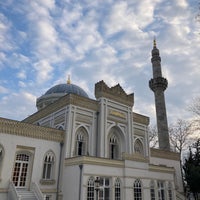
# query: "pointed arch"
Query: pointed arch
{"points": [[1, 158], [117, 189], [48, 166], [170, 196], [139, 147], [137, 187], [116, 143], [152, 190], [81, 143], [90, 189]]}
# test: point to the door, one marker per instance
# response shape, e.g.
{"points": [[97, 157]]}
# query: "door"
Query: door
{"points": [[20, 172]]}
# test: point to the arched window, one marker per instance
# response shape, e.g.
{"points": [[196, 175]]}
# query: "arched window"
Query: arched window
{"points": [[152, 190], [138, 147], [81, 142], [1, 158], [170, 196], [161, 190], [90, 189], [117, 189], [48, 168], [113, 147], [137, 190]]}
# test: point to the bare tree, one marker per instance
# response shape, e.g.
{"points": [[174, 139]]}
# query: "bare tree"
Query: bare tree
{"points": [[153, 136], [195, 109], [180, 135]]}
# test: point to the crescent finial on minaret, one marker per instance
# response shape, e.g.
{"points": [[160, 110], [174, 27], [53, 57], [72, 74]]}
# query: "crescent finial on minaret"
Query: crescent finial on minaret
{"points": [[68, 80]]}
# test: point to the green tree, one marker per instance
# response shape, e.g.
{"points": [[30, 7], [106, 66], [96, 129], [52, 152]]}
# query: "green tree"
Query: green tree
{"points": [[191, 169]]}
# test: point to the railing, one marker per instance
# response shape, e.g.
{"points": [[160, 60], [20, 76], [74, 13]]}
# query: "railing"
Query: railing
{"points": [[12, 192], [35, 188]]}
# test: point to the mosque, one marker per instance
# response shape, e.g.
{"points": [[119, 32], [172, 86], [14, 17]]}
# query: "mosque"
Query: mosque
{"points": [[78, 148]]}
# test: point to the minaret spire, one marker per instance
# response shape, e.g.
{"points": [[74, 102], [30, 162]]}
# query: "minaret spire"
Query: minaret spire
{"points": [[158, 85]]}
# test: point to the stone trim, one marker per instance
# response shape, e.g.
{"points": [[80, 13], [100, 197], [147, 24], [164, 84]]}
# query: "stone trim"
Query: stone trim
{"points": [[47, 182], [158, 153], [93, 161], [12, 127], [161, 168], [115, 93], [141, 119], [63, 102], [136, 157]]}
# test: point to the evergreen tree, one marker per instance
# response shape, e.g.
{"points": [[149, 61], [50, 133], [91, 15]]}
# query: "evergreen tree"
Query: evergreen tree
{"points": [[192, 170]]}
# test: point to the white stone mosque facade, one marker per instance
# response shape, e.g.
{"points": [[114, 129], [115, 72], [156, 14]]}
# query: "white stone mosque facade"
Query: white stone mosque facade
{"points": [[78, 148]]}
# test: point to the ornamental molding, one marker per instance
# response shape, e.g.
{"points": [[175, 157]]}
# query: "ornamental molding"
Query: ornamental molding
{"points": [[158, 153], [138, 118], [135, 157], [80, 160], [12, 127], [64, 101], [115, 93], [161, 168]]}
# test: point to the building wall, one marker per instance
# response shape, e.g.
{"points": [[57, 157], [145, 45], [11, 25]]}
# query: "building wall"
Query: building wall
{"points": [[37, 149]]}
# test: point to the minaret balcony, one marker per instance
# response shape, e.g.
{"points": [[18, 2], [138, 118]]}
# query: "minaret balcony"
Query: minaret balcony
{"points": [[158, 83]]}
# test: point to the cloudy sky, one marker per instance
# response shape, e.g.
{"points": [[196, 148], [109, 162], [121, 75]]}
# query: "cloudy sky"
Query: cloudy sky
{"points": [[42, 41]]}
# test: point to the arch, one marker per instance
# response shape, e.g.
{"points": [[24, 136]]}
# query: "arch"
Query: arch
{"points": [[22, 167], [2, 152], [152, 190], [90, 189], [170, 196], [137, 188], [117, 189], [81, 141], [116, 143], [48, 165], [138, 147]]}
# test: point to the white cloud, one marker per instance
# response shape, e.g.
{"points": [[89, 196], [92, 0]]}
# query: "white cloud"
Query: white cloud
{"points": [[43, 70]]}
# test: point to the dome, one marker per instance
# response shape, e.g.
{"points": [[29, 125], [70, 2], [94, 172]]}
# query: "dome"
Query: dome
{"points": [[67, 89], [58, 91]]}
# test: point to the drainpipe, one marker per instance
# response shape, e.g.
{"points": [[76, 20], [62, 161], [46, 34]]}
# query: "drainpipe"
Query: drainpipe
{"points": [[80, 180], [59, 171]]}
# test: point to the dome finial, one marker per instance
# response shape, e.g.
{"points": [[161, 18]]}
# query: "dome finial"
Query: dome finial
{"points": [[68, 80], [154, 42]]}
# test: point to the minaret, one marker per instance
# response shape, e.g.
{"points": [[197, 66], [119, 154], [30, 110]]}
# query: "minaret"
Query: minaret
{"points": [[158, 85]]}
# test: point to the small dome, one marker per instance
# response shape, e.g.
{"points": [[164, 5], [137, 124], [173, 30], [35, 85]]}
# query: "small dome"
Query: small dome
{"points": [[67, 89], [57, 92]]}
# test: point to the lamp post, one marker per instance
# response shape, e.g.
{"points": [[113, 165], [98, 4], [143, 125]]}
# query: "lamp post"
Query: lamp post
{"points": [[97, 183]]}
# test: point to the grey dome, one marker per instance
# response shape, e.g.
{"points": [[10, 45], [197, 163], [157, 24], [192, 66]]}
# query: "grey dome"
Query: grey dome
{"points": [[57, 92], [67, 89]]}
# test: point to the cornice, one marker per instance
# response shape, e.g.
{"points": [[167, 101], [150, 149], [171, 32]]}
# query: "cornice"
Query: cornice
{"points": [[80, 160], [12, 127], [62, 102], [115, 93], [140, 119], [158, 153]]}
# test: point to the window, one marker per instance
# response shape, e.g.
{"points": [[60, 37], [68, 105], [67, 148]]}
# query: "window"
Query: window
{"points": [[90, 189], [20, 171], [152, 190], [138, 147], [161, 190], [113, 147], [1, 158], [48, 197], [48, 166], [117, 190], [104, 188], [170, 191], [81, 142], [137, 190]]}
